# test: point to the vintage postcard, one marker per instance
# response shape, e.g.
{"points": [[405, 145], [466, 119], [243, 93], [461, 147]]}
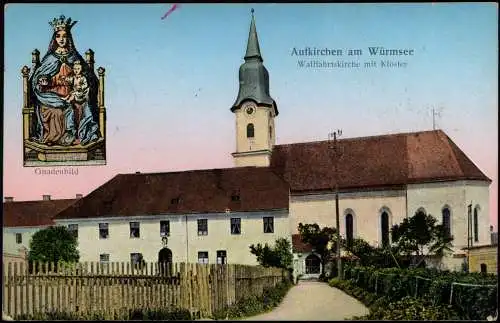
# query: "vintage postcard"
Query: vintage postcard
{"points": [[250, 161]]}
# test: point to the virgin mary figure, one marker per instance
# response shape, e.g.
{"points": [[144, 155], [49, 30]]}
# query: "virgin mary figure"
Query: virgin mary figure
{"points": [[55, 122]]}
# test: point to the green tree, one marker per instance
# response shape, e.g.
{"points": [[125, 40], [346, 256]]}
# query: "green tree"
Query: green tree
{"points": [[368, 255], [420, 232], [53, 244], [319, 238], [442, 243], [280, 255]]}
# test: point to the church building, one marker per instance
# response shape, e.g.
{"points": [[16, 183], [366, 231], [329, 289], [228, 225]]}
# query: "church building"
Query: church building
{"points": [[214, 215]]}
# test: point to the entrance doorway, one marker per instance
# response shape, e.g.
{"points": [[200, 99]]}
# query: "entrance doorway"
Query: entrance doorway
{"points": [[165, 261], [313, 264]]}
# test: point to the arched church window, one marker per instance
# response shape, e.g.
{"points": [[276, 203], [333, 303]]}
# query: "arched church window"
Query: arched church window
{"points": [[349, 228], [250, 130], [476, 224], [446, 221], [384, 222]]}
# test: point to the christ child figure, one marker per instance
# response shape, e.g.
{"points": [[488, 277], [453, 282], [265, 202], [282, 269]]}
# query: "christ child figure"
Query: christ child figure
{"points": [[79, 93]]}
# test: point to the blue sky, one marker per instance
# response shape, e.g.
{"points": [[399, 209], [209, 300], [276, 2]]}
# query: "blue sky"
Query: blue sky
{"points": [[176, 78]]}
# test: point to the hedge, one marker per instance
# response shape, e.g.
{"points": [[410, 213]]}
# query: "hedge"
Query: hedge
{"points": [[381, 308], [472, 295], [251, 306], [137, 314]]}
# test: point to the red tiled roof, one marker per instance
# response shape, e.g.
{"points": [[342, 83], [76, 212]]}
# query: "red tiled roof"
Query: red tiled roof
{"points": [[298, 245], [33, 213], [377, 161], [198, 191]]}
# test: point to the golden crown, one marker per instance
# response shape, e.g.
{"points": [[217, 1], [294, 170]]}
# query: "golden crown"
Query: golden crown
{"points": [[61, 23]]}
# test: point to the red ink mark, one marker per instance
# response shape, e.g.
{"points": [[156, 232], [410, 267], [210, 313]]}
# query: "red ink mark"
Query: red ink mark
{"points": [[174, 6]]}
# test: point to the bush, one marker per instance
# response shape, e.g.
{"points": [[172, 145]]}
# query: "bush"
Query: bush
{"points": [[410, 308], [270, 298], [395, 284]]}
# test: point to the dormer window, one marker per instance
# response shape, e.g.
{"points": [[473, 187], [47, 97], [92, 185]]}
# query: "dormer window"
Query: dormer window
{"points": [[250, 130], [175, 201]]}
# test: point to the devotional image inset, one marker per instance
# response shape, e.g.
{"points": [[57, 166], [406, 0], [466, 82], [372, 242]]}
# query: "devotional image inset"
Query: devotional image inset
{"points": [[64, 115]]}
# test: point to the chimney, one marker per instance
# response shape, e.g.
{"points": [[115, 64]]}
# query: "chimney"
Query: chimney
{"points": [[46, 197], [137, 172], [9, 199], [79, 196]]}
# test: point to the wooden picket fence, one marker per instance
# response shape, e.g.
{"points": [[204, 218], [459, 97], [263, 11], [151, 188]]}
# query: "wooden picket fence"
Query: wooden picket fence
{"points": [[115, 288]]}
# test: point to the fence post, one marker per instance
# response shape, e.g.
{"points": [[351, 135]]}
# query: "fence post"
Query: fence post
{"points": [[23, 282], [46, 289], [52, 285], [15, 283]]}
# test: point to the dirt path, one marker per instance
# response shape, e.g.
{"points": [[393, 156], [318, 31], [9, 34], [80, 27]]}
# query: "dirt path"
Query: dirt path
{"points": [[314, 301]]}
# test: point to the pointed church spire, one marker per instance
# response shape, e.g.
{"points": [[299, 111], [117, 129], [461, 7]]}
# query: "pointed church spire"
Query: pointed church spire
{"points": [[253, 76], [253, 48]]}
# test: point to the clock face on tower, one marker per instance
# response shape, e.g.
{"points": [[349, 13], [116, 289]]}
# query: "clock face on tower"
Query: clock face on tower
{"points": [[249, 108]]}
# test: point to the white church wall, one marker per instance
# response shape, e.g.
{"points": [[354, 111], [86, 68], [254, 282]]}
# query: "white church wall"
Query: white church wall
{"points": [[366, 208], [478, 193], [456, 195]]}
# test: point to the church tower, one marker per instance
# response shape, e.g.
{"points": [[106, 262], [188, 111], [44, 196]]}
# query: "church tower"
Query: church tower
{"points": [[254, 109]]}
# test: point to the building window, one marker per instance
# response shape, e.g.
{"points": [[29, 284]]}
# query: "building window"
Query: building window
{"points": [[349, 228], [135, 230], [384, 222], [270, 132], [104, 257], [221, 257], [73, 229], [484, 269], [476, 224], [19, 238], [203, 257], [235, 225], [103, 231], [446, 221], [202, 227], [268, 224], [136, 259], [235, 197], [250, 130], [164, 228]]}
